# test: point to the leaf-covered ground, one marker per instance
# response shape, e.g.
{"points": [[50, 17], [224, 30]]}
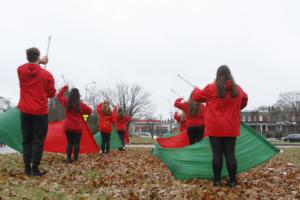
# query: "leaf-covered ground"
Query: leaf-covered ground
{"points": [[135, 174]]}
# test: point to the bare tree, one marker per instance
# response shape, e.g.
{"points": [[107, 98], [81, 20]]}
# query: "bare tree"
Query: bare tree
{"points": [[92, 98], [5, 104], [56, 110], [288, 105], [133, 99]]}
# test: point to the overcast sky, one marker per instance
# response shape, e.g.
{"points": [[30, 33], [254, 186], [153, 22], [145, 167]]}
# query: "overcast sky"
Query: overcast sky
{"points": [[150, 42]]}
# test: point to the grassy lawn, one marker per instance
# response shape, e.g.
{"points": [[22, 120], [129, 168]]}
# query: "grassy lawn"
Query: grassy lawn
{"points": [[285, 143], [141, 140], [135, 174], [290, 155]]}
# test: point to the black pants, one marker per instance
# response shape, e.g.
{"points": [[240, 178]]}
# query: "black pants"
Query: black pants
{"points": [[73, 141], [223, 146], [105, 146], [34, 131], [195, 133], [122, 138]]}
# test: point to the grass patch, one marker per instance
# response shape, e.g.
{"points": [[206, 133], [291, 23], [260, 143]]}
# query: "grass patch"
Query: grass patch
{"points": [[291, 155], [285, 143], [141, 140]]}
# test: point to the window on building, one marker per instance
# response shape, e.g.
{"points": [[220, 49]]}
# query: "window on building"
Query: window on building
{"points": [[243, 118], [255, 118], [260, 118], [249, 118]]}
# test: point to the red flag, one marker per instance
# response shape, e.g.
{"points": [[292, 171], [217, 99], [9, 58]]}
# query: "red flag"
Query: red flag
{"points": [[56, 140], [176, 141], [126, 138]]}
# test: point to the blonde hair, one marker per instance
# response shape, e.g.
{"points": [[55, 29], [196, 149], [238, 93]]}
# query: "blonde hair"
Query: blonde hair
{"points": [[183, 117], [106, 108], [193, 108]]}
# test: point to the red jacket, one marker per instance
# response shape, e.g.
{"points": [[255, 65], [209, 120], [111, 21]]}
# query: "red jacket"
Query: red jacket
{"points": [[105, 121], [197, 120], [73, 121], [179, 121], [36, 86], [121, 123], [222, 116]]}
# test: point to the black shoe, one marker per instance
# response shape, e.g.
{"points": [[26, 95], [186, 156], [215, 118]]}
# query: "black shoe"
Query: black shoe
{"points": [[27, 170], [217, 184], [36, 172], [232, 184], [68, 160]]}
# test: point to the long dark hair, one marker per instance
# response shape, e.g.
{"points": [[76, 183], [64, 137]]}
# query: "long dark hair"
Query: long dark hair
{"points": [[74, 101], [223, 75]]}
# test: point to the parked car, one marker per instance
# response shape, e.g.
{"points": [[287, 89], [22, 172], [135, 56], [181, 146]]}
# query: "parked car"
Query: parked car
{"points": [[292, 138]]}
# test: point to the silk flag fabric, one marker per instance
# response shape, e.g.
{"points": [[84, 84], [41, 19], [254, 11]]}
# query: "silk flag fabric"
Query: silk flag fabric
{"points": [[10, 134], [195, 161]]}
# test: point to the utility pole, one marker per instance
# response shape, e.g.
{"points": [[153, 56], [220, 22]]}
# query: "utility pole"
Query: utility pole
{"points": [[171, 113]]}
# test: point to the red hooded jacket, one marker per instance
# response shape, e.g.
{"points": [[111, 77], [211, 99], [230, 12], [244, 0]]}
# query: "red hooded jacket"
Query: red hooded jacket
{"points": [[121, 123], [105, 121], [197, 120], [74, 121], [222, 115], [36, 86], [179, 121]]}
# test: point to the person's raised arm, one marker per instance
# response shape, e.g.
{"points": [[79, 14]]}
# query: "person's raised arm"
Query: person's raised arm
{"points": [[99, 109], [60, 96], [177, 117], [115, 114], [50, 87], [200, 95], [244, 99], [128, 119], [178, 103], [43, 60], [85, 109]]}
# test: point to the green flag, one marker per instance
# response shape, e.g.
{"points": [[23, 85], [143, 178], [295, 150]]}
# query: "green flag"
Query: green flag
{"points": [[195, 161], [115, 141]]}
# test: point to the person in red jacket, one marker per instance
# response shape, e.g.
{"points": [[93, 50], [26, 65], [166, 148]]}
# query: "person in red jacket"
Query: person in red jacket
{"points": [[74, 111], [36, 86], [181, 120], [105, 125], [121, 121], [224, 100], [194, 118]]}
